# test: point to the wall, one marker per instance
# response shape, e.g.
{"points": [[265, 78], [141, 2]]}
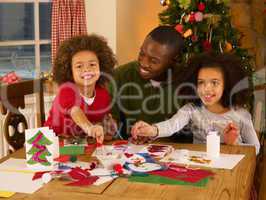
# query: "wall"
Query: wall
{"points": [[101, 19], [124, 23], [135, 18]]}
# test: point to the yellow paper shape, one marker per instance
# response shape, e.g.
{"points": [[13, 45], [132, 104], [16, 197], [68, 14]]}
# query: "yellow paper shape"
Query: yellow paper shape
{"points": [[6, 194]]}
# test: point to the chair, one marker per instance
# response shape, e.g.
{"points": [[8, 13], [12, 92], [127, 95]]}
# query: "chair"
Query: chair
{"points": [[11, 99], [259, 119]]}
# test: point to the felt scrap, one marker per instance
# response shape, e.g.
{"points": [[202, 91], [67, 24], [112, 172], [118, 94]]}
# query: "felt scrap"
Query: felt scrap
{"points": [[63, 158], [90, 148], [72, 150], [183, 174], [78, 173], [166, 181]]}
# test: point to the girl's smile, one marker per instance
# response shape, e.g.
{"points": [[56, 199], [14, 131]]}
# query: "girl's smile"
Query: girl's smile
{"points": [[87, 75], [85, 68]]}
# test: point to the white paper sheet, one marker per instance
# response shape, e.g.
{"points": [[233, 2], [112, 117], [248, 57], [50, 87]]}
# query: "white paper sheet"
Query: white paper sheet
{"points": [[16, 165], [19, 182], [224, 161], [104, 175], [16, 177]]}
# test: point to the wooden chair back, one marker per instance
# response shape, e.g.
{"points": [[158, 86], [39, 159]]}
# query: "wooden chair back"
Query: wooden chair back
{"points": [[12, 97]]}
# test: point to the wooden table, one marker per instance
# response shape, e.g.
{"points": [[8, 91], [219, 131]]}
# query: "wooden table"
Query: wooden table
{"points": [[226, 184]]}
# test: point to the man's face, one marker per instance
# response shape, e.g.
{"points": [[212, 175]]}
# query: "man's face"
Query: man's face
{"points": [[154, 59]]}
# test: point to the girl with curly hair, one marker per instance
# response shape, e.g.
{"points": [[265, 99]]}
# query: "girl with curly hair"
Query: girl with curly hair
{"points": [[82, 68], [218, 86]]}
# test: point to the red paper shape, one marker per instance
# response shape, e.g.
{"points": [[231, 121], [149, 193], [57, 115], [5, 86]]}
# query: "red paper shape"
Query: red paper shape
{"points": [[63, 158], [89, 148], [120, 142], [98, 144], [118, 168], [38, 175], [184, 174], [93, 165], [84, 182], [128, 155], [78, 173]]}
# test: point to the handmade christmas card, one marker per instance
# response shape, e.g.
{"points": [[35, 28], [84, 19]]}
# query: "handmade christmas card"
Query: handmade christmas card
{"points": [[42, 147]]}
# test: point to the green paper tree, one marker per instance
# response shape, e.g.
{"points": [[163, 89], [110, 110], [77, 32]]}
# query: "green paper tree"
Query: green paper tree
{"points": [[206, 26], [39, 150]]}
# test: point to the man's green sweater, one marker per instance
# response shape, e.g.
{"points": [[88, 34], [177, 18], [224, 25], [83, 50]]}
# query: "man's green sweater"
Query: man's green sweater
{"points": [[137, 99]]}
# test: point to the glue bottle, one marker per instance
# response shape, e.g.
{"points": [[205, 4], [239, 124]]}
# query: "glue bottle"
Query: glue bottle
{"points": [[213, 144]]}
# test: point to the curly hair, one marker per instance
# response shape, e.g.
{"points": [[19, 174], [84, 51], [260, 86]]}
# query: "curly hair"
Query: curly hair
{"points": [[236, 84], [62, 70]]}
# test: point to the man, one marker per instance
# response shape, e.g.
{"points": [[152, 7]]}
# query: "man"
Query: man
{"points": [[145, 89]]}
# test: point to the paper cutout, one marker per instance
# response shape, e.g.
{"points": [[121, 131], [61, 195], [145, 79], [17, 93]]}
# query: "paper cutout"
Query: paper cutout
{"points": [[72, 150], [199, 158], [6, 194], [77, 173], [81, 176], [143, 167], [183, 174], [162, 180], [135, 159], [38, 175], [63, 158], [120, 142], [42, 146], [157, 150]]}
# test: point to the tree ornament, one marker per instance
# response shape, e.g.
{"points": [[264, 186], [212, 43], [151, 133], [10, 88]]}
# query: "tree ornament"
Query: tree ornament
{"points": [[194, 38], [187, 33], [164, 2], [206, 45], [198, 16], [179, 28], [186, 18], [184, 3], [228, 47], [212, 19], [192, 17], [201, 6]]}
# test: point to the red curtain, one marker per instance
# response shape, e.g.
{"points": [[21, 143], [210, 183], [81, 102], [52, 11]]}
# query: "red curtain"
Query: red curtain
{"points": [[68, 19]]}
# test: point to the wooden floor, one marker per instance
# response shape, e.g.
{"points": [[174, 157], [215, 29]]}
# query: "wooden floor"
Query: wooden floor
{"points": [[262, 192]]}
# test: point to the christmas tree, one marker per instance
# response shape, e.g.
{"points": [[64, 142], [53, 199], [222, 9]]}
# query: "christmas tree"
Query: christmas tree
{"points": [[39, 150], [206, 26]]}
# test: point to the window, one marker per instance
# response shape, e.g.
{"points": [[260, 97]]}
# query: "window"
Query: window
{"points": [[25, 33]]}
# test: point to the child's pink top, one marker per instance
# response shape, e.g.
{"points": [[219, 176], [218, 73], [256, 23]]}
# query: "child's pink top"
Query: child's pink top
{"points": [[68, 96]]}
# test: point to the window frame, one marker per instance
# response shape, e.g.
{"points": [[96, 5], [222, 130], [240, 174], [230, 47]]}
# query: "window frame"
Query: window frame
{"points": [[37, 41]]}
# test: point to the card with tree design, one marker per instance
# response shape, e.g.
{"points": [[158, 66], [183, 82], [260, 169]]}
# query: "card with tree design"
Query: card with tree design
{"points": [[42, 146]]}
